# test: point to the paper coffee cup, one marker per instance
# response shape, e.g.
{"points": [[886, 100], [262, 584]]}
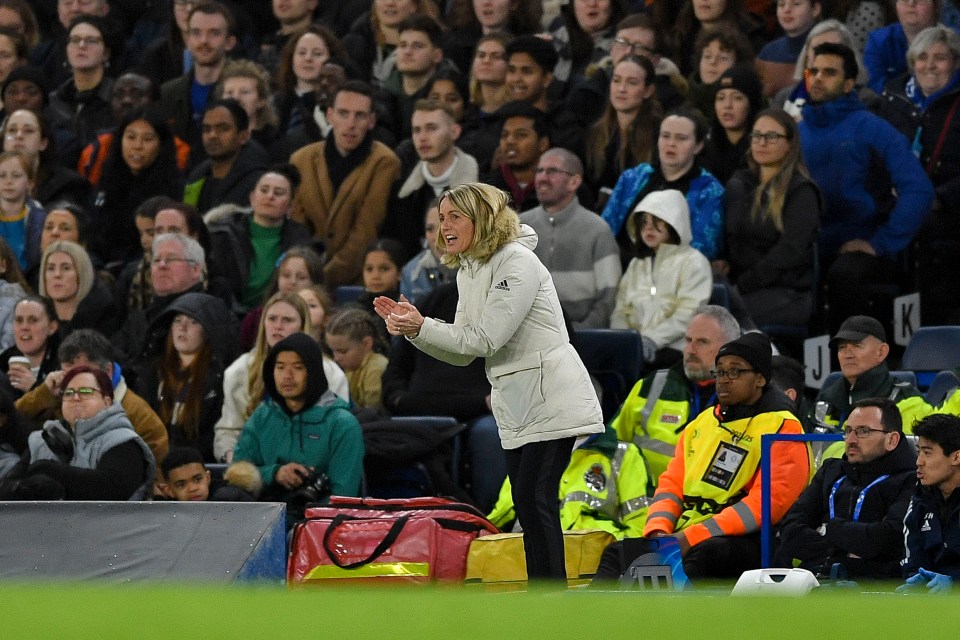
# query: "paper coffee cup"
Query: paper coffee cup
{"points": [[20, 360]]}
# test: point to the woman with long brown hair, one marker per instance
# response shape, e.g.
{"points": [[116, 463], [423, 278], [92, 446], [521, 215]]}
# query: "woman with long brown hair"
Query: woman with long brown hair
{"points": [[185, 384], [773, 215], [626, 133]]}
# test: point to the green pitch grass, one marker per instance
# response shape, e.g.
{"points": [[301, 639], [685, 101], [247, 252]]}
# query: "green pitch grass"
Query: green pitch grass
{"points": [[201, 612]]}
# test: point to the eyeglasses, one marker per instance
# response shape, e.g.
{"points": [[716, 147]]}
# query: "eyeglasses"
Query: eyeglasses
{"points": [[731, 374], [862, 432], [80, 392], [166, 260], [552, 171], [635, 47], [769, 137], [87, 40], [916, 2]]}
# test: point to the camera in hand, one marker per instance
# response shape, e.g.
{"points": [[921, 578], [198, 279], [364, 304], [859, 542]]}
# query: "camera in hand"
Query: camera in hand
{"points": [[315, 487]]}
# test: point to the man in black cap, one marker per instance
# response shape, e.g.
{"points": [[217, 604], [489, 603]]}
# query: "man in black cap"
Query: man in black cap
{"points": [[862, 350], [708, 499]]}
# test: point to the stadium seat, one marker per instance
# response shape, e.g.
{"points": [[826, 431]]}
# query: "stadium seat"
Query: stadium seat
{"points": [[387, 476], [720, 295], [932, 349], [216, 469], [615, 358], [942, 386], [347, 293]]}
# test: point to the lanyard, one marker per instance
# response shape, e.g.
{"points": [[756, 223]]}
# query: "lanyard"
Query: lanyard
{"points": [[863, 494]]}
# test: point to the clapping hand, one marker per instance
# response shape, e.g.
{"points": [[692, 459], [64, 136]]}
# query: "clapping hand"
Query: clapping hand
{"points": [[401, 318]]}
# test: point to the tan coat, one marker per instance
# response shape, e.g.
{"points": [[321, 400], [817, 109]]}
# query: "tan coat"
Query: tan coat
{"points": [[348, 223]]}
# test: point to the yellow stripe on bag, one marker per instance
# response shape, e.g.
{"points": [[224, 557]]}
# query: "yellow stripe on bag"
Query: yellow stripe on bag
{"points": [[372, 570]]}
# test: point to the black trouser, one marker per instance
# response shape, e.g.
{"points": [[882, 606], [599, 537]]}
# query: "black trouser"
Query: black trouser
{"points": [[719, 557], [535, 470]]}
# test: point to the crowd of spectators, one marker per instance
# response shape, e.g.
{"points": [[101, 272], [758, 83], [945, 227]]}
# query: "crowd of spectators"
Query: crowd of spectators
{"points": [[194, 181]]}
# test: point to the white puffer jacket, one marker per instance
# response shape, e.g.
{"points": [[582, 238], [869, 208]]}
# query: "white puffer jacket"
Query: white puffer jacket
{"points": [[510, 315], [659, 295]]}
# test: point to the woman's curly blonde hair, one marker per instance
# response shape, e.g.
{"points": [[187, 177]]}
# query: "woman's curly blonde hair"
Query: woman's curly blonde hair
{"points": [[495, 223]]}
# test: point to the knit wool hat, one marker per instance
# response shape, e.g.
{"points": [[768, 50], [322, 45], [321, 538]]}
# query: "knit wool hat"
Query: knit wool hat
{"points": [[31, 74], [754, 347], [745, 80]]}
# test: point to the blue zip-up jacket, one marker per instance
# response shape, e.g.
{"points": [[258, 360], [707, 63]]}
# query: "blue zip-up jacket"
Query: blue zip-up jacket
{"points": [[839, 140], [885, 55], [931, 531], [705, 199]]}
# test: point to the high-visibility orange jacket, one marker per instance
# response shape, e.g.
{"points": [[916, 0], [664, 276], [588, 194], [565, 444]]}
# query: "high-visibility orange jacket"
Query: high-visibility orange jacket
{"points": [[712, 485]]}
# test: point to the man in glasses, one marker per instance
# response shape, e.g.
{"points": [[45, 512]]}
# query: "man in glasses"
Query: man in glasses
{"points": [[575, 245], [852, 512], [708, 499], [88, 347], [636, 35]]}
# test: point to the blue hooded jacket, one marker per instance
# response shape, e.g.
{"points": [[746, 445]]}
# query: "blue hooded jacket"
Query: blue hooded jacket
{"points": [[840, 139]]}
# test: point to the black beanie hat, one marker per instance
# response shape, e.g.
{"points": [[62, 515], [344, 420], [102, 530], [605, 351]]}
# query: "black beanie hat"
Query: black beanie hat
{"points": [[754, 347], [745, 80], [27, 72]]}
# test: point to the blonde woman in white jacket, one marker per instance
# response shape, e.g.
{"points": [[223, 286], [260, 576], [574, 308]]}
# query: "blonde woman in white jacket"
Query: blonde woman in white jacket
{"points": [[663, 286], [509, 314]]}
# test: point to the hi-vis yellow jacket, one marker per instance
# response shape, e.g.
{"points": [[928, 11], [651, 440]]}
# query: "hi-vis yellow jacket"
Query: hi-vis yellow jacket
{"points": [[712, 485], [655, 413], [604, 487]]}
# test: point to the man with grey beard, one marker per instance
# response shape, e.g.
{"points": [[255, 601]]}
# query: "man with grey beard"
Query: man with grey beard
{"points": [[660, 405]]}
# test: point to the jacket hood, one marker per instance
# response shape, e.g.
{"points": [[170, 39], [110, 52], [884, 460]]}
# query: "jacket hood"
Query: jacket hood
{"points": [[670, 206], [605, 443], [528, 237], [309, 351], [209, 311]]}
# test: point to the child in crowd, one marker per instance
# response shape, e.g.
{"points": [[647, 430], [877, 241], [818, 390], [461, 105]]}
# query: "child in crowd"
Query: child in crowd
{"points": [[188, 480], [381, 269], [21, 218], [381, 277], [667, 280], [320, 305], [297, 268], [352, 334]]}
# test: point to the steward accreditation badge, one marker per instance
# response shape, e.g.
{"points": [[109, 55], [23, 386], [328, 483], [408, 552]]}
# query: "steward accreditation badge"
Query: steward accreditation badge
{"points": [[726, 462]]}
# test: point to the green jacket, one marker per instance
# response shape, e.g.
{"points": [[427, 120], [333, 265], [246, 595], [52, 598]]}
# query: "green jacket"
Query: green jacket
{"points": [[834, 403], [326, 436]]}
